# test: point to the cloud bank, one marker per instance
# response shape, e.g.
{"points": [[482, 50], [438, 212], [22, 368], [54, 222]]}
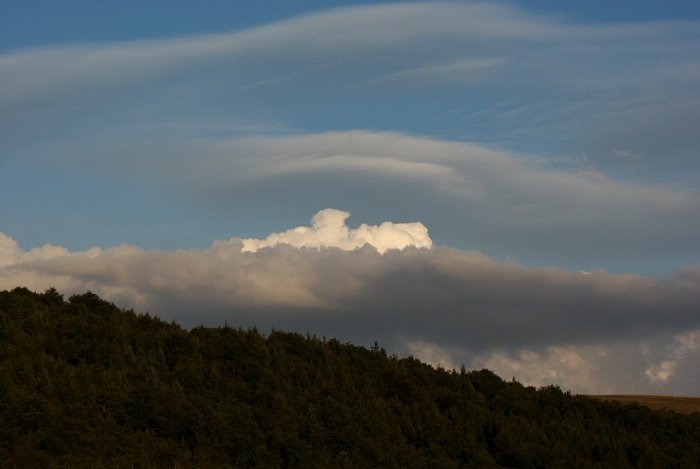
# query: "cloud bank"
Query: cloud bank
{"points": [[599, 332], [328, 230], [518, 135]]}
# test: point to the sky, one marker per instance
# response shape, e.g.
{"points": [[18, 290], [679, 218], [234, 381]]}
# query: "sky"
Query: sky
{"points": [[509, 185]]}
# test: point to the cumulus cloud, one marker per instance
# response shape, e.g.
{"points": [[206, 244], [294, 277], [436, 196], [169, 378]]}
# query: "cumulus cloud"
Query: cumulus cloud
{"points": [[9, 250], [445, 305], [328, 230]]}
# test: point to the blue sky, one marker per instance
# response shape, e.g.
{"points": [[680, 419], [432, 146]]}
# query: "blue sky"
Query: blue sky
{"points": [[39, 23], [597, 87], [540, 135]]}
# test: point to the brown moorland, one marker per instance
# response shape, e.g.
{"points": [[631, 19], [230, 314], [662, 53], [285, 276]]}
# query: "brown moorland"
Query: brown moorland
{"points": [[680, 404]]}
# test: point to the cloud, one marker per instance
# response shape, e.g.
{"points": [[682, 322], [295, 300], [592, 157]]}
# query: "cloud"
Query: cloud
{"points": [[184, 115], [499, 202], [268, 50], [465, 191], [479, 105], [604, 367], [460, 69], [446, 305], [328, 230], [684, 345], [432, 354], [571, 77], [571, 367], [9, 250]]}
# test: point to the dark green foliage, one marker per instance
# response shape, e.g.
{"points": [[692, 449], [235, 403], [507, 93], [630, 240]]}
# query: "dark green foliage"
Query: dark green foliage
{"points": [[83, 383]]}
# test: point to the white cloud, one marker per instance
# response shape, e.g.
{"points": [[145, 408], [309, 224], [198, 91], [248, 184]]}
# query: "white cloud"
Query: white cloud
{"points": [[132, 113], [435, 40], [459, 69], [9, 250], [667, 368], [544, 325], [584, 369], [28, 74], [597, 368], [469, 191], [328, 230], [432, 354], [11, 253]]}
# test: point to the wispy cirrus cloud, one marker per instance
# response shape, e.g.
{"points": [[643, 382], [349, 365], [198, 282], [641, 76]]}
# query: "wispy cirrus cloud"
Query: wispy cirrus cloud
{"points": [[453, 70], [589, 74]]}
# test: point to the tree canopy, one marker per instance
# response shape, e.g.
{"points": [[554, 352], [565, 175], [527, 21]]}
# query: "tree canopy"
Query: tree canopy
{"points": [[84, 383]]}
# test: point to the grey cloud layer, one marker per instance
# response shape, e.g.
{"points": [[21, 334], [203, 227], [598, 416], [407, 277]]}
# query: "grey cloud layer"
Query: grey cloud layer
{"points": [[256, 122], [460, 304]]}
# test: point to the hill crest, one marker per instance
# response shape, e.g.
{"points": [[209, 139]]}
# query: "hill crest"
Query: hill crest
{"points": [[84, 383]]}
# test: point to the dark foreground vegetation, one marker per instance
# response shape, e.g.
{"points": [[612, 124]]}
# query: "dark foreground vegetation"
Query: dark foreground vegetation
{"points": [[85, 384]]}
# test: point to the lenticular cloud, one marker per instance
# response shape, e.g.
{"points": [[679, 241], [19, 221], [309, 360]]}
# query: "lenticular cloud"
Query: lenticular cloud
{"points": [[328, 230]]}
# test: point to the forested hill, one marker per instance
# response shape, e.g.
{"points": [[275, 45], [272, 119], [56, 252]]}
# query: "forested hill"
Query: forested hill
{"points": [[85, 384]]}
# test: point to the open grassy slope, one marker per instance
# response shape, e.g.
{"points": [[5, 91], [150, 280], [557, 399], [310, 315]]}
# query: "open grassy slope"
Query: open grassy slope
{"points": [[682, 405]]}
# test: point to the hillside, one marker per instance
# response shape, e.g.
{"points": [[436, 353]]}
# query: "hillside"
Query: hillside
{"points": [[85, 384], [680, 404]]}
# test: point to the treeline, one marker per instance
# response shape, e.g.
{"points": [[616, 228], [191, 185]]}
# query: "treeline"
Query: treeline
{"points": [[86, 384]]}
